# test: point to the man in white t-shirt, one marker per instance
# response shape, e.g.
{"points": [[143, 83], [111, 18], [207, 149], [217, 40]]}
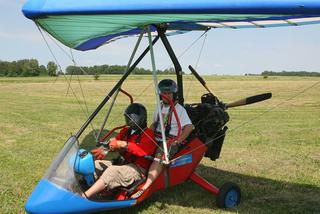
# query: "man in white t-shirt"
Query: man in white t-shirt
{"points": [[166, 114], [168, 88]]}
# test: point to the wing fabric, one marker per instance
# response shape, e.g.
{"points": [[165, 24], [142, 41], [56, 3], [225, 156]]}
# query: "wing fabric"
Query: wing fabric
{"points": [[85, 25]]}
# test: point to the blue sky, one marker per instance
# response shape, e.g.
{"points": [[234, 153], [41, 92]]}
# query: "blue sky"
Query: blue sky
{"points": [[227, 51]]}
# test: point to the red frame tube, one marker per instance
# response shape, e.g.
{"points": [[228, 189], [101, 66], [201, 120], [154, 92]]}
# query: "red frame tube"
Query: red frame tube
{"points": [[174, 112], [119, 127], [126, 93], [110, 132], [204, 183]]}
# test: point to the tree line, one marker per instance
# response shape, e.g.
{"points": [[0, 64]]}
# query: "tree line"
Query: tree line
{"points": [[27, 68], [291, 73], [31, 67], [111, 69]]}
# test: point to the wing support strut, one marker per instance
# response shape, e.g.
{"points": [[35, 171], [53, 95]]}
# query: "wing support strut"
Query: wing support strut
{"points": [[161, 33], [114, 89]]}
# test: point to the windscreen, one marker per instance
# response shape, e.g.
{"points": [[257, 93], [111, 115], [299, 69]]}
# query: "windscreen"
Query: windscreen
{"points": [[61, 171]]}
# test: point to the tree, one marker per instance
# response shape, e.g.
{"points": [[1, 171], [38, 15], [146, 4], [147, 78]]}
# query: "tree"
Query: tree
{"points": [[4, 68], [43, 70], [29, 67], [52, 69]]}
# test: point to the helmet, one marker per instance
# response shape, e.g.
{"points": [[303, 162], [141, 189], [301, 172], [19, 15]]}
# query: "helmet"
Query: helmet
{"points": [[168, 85], [136, 116]]}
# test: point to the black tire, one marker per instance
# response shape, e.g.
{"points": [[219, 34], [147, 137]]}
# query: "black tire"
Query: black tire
{"points": [[229, 195]]}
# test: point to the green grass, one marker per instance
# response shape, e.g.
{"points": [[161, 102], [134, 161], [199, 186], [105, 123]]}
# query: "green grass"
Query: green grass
{"points": [[274, 157]]}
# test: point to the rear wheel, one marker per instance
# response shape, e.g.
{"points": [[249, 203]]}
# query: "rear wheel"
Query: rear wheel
{"points": [[229, 195]]}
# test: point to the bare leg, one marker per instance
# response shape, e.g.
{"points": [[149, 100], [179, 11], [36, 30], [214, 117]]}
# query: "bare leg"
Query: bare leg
{"points": [[95, 188], [154, 171]]}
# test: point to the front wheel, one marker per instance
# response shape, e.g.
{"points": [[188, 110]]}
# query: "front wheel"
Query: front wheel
{"points": [[229, 195]]}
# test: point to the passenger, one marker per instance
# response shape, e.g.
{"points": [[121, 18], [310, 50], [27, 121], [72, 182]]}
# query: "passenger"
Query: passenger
{"points": [[134, 141], [169, 89]]}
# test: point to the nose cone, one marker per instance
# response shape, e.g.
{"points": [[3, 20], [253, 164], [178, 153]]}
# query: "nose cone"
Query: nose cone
{"points": [[49, 198]]}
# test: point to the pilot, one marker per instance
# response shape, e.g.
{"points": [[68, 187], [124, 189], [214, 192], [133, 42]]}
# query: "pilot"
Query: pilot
{"points": [[169, 89], [134, 141]]}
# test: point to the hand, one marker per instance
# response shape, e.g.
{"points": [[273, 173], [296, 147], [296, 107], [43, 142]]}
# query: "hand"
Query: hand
{"points": [[174, 148], [113, 144], [98, 154], [171, 142], [117, 144]]}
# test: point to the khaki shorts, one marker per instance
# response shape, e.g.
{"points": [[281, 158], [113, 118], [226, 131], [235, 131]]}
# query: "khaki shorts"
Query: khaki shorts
{"points": [[117, 176]]}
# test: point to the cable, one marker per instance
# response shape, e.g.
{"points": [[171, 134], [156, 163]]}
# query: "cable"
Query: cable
{"points": [[192, 77], [251, 119], [60, 70], [187, 49]]}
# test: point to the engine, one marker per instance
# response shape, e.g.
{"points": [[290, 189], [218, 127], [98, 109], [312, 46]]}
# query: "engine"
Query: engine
{"points": [[209, 118]]}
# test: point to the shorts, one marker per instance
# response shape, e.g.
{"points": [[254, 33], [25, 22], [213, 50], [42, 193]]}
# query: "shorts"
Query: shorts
{"points": [[117, 176]]}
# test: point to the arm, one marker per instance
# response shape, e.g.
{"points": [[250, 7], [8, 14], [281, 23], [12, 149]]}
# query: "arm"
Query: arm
{"points": [[186, 130], [145, 147], [186, 125]]}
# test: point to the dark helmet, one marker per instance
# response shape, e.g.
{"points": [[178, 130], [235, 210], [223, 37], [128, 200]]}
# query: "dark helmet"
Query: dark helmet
{"points": [[136, 116], [168, 85]]}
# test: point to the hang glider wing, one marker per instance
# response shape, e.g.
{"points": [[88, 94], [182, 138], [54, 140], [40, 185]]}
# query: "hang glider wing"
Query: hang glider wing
{"points": [[85, 25]]}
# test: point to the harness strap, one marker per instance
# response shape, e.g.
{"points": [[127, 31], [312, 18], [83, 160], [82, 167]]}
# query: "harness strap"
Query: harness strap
{"points": [[158, 135], [167, 123]]}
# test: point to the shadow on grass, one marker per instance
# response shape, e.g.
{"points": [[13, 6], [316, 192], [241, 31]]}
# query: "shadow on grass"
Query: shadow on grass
{"points": [[259, 195], [89, 141]]}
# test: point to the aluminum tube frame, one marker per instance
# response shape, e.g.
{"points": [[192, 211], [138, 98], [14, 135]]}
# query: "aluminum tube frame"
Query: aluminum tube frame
{"points": [[114, 89], [155, 80], [161, 33], [117, 92]]}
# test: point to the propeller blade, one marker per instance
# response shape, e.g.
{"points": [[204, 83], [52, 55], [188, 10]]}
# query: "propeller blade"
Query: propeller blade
{"points": [[203, 83], [250, 100]]}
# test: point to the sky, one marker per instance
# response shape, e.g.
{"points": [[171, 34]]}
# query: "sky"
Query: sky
{"points": [[225, 52]]}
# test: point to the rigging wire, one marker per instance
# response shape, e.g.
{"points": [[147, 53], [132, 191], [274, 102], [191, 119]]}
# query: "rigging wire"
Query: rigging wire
{"points": [[142, 130], [60, 71], [81, 89], [251, 119], [200, 53], [117, 91], [191, 79], [139, 127], [71, 72], [69, 56], [190, 46], [144, 90], [237, 127]]}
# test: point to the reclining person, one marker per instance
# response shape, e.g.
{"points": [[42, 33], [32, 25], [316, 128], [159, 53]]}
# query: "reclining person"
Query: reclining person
{"points": [[169, 89], [134, 141]]}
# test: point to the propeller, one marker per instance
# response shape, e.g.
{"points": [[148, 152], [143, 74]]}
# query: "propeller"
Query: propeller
{"points": [[203, 83], [249, 100], [242, 102]]}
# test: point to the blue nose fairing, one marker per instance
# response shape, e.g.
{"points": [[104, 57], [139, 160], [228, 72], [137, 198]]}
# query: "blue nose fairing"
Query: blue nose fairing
{"points": [[50, 198], [59, 192]]}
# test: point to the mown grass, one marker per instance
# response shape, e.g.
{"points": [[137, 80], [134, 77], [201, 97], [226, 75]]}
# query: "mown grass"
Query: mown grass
{"points": [[272, 149]]}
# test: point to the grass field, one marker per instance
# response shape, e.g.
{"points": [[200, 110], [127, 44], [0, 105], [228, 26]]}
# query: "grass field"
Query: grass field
{"points": [[272, 149]]}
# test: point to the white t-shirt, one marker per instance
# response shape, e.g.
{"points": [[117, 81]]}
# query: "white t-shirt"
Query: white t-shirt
{"points": [[182, 114]]}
